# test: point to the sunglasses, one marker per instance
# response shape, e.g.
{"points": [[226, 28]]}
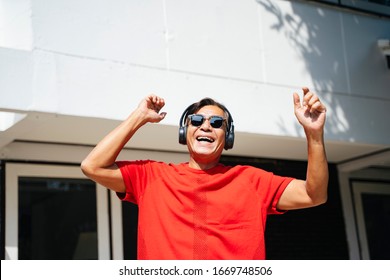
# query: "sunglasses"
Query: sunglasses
{"points": [[198, 120]]}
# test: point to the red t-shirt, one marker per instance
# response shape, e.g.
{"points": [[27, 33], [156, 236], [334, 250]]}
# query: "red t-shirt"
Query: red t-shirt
{"points": [[186, 213]]}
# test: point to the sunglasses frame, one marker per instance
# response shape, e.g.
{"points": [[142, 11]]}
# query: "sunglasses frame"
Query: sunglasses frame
{"points": [[210, 119]]}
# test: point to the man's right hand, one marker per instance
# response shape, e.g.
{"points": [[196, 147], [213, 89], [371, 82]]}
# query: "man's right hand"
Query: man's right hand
{"points": [[150, 108]]}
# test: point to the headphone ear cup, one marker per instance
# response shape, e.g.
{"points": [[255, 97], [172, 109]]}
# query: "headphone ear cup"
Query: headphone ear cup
{"points": [[183, 135], [229, 139], [183, 127]]}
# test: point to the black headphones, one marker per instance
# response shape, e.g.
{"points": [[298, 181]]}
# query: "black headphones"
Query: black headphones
{"points": [[229, 136]]}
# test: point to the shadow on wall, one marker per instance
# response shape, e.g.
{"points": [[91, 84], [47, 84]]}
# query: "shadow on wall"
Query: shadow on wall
{"points": [[315, 34]]}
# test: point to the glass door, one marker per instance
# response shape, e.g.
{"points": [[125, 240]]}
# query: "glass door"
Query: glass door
{"points": [[54, 212], [372, 209]]}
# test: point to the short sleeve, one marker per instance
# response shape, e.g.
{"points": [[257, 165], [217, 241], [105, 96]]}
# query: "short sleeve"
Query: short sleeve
{"points": [[279, 184], [135, 177]]}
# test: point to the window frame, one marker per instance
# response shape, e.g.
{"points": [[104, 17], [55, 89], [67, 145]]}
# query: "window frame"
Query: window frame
{"points": [[358, 6]]}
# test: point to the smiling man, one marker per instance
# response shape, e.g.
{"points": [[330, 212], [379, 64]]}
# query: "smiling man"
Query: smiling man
{"points": [[205, 136], [202, 209]]}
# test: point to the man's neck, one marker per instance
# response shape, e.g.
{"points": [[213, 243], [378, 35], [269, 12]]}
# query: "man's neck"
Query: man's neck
{"points": [[202, 165]]}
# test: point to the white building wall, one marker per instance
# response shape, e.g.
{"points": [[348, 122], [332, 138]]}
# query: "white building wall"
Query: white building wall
{"points": [[97, 59]]}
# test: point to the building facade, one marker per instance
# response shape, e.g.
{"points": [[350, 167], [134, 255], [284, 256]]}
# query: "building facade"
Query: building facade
{"points": [[71, 70]]}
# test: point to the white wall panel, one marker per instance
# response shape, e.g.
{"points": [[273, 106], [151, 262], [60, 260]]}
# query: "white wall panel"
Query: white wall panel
{"points": [[217, 38], [120, 30], [369, 75], [303, 46], [15, 24], [16, 79]]}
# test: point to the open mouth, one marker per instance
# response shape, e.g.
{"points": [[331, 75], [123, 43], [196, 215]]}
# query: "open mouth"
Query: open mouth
{"points": [[204, 139]]}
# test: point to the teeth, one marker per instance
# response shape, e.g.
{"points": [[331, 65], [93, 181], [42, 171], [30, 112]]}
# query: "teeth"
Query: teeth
{"points": [[204, 138]]}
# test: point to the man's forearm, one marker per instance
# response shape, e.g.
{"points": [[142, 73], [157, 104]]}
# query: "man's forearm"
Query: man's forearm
{"points": [[317, 176], [108, 149]]}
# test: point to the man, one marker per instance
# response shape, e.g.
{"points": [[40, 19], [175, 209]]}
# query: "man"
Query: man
{"points": [[202, 209]]}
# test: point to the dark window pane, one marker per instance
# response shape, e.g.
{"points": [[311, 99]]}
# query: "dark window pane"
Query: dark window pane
{"points": [[57, 219], [130, 225], [376, 209], [381, 2]]}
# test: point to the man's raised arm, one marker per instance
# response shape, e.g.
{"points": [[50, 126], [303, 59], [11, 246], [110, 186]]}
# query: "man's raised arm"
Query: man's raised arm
{"points": [[311, 114], [100, 165]]}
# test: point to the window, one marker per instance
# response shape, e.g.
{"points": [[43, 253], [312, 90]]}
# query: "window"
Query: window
{"points": [[53, 212], [372, 209], [57, 219], [378, 7]]}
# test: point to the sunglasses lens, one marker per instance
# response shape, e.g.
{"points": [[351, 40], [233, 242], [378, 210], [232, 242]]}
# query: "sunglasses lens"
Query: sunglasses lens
{"points": [[216, 122], [196, 120]]}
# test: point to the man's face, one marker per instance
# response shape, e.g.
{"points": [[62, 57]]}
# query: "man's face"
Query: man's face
{"points": [[205, 143]]}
